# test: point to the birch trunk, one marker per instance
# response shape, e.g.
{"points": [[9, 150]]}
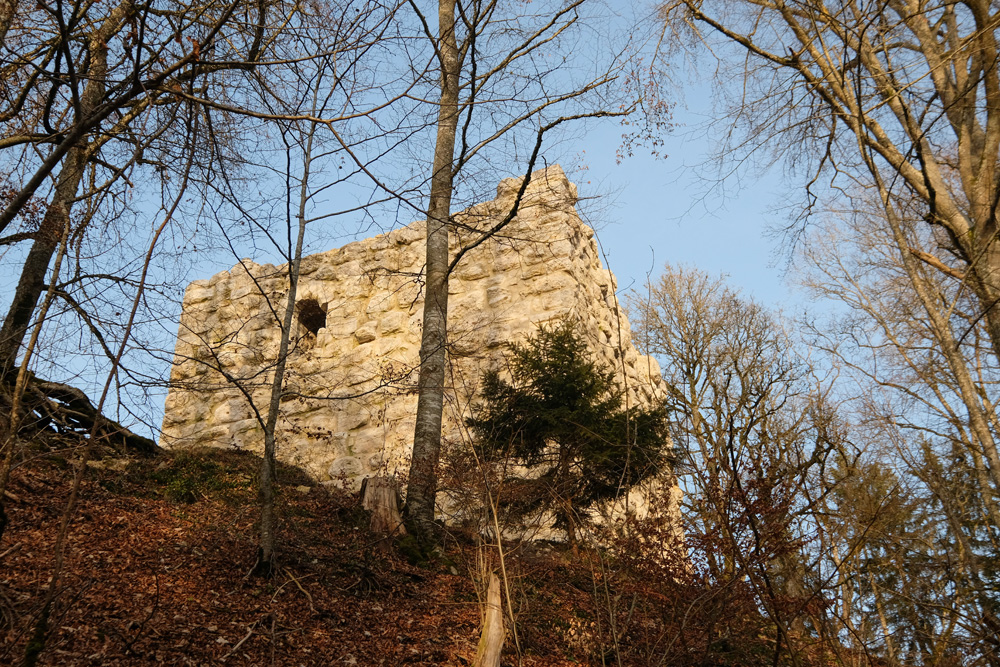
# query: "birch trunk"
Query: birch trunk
{"points": [[422, 488]]}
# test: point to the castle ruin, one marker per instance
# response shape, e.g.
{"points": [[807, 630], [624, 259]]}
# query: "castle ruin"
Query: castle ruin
{"points": [[352, 371]]}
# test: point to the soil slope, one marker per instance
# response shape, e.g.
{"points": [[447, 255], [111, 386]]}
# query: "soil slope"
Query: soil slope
{"points": [[157, 571]]}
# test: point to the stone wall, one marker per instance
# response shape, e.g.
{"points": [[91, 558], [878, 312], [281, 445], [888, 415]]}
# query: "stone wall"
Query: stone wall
{"points": [[352, 373]]}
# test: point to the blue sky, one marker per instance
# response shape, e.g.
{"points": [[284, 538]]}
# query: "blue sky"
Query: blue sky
{"points": [[647, 211], [661, 210]]}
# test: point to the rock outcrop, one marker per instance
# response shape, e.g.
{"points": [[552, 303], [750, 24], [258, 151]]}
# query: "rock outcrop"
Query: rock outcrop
{"points": [[351, 377]]}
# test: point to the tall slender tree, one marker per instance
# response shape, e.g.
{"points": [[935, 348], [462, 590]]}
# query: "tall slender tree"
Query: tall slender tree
{"points": [[319, 95], [890, 349], [897, 104], [758, 432], [501, 84], [422, 488], [892, 111], [93, 95]]}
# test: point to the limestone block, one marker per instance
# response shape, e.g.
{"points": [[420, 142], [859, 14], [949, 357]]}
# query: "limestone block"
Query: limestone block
{"points": [[550, 282], [650, 367], [310, 367], [178, 401], [197, 292], [366, 332], [336, 443], [377, 461], [408, 235], [340, 327], [184, 370], [229, 411], [326, 272], [473, 270], [558, 300], [348, 472], [533, 269], [495, 296], [325, 342], [246, 430], [464, 346], [393, 322], [353, 359], [496, 338], [219, 278], [351, 268], [380, 303], [227, 356], [356, 288], [243, 288], [506, 260], [220, 435], [354, 419]]}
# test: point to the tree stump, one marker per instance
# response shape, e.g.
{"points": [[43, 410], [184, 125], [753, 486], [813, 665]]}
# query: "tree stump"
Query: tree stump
{"points": [[491, 641], [380, 496]]}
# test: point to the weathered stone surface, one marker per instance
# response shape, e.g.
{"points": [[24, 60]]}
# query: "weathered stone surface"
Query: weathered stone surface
{"points": [[353, 380]]}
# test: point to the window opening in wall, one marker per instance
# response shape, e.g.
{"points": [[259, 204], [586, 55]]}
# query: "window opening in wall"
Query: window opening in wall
{"points": [[312, 316]]}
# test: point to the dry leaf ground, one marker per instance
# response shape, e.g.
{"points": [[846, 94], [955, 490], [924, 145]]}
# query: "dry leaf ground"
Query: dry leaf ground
{"points": [[157, 574]]}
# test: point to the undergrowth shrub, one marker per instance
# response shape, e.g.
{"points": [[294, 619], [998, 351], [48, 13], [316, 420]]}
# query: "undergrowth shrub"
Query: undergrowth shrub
{"points": [[553, 436], [195, 474]]}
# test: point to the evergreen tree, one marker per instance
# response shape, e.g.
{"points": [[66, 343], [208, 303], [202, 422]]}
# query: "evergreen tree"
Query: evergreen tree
{"points": [[560, 416]]}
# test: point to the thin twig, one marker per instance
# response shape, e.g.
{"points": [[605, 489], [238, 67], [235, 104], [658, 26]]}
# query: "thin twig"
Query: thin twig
{"points": [[240, 642], [299, 586]]}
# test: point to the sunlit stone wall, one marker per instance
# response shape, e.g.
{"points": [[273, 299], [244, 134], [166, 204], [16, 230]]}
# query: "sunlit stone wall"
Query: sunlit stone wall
{"points": [[351, 377]]}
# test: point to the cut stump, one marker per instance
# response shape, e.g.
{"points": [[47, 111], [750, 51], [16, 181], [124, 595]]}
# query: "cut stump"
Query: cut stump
{"points": [[491, 641], [380, 496]]}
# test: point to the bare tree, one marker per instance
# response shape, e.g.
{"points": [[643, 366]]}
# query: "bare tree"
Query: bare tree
{"points": [[95, 100], [891, 343], [311, 107], [892, 110], [756, 431], [422, 488], [190, 121], [89, 90], [499, 86], [896, 102], [37, 644], [315, 92], [265, 553]]}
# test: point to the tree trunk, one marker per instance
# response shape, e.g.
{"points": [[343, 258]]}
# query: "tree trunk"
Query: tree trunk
{"points": [[32, 279], [380, 496], [268, 521], [422, 487], [491, 641], [569, 516], [948, 346], [12, 421]]}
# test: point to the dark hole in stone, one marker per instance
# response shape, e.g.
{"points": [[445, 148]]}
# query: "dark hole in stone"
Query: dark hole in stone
{"points": [[312, 316]]}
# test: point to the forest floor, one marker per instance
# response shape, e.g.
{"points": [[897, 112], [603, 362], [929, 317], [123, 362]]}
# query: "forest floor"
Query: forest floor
{"points": [[157, 573]]}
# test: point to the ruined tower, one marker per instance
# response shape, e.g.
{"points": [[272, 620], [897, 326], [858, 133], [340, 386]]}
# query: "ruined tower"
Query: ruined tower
{"points": [[351, 376]]}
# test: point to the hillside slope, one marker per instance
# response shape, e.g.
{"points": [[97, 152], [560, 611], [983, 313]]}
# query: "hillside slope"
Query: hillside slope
{"points": [[157, 574]]}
